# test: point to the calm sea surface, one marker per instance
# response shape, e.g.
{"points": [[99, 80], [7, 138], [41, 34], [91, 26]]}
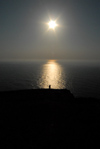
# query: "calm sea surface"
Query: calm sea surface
{"points": [[82, 78]]}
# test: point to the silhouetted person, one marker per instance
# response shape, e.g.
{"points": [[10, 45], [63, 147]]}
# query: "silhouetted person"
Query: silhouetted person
{"points": [[49, 86]]}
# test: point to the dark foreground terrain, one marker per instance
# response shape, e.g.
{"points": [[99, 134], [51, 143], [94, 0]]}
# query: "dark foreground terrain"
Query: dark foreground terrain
{"points": [[48, 118]]}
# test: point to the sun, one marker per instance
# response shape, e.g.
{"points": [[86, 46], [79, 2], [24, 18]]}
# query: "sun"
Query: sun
{"points": [[52, 24]]}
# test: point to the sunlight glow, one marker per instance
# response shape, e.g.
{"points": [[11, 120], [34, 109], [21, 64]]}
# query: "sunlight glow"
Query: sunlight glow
{"points": [[52, 24]]}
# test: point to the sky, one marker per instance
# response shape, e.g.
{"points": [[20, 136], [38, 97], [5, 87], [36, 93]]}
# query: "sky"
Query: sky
{"points": [[24, 31]]}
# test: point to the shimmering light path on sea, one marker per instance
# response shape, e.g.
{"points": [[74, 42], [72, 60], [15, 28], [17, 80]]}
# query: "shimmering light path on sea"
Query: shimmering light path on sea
{"points": [[52, 74]]}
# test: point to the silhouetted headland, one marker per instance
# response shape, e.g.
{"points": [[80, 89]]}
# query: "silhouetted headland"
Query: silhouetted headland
{"points": [[48, 118]]}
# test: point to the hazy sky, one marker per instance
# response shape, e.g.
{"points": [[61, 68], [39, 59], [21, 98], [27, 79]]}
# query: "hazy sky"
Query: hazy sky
{"points": [[24, 35]]}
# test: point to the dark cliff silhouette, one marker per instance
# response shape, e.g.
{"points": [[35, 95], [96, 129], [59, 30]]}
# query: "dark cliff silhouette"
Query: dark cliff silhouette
{"points": [[48, 118]]}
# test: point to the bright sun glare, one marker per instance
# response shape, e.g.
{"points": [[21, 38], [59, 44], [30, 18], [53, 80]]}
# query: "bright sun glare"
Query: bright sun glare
{"points": [[52, 24]]}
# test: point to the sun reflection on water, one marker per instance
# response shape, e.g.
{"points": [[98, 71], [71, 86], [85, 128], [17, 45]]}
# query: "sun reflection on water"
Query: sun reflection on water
{"points": [[52, 74]]}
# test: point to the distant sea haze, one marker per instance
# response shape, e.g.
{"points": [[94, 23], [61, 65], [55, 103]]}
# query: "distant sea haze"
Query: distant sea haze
{"points": [[82, 78]]}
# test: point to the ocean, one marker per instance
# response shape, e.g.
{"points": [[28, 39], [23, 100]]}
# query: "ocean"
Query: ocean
{"points": [[82, 78]]}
